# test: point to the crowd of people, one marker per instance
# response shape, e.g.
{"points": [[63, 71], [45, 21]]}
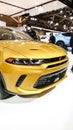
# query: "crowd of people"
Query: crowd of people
{"points": [[32, 33], [71, 44]]}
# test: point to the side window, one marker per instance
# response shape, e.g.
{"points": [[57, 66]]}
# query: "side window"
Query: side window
{"points": [[6, 35], [66, 34]]}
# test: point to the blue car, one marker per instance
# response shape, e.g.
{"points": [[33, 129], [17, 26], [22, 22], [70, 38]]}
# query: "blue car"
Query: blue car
{"points": [[63, 39]]}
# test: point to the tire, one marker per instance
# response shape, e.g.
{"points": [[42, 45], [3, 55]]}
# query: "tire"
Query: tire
{"points": [[3, 93], [61, 44]]}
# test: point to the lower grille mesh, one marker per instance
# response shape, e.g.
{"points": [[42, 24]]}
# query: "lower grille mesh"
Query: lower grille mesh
{"points": [[48, 79]]}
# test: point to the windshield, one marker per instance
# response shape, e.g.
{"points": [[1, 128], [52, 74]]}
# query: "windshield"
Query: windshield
{"points": [[8, 34]]}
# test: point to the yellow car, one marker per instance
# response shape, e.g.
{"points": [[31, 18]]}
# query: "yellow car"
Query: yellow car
{"points": [[27, 66]]}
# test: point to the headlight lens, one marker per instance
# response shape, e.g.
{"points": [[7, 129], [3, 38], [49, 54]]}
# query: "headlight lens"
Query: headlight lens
{"points": [[20, 61]]}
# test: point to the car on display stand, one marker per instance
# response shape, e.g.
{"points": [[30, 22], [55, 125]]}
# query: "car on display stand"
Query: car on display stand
{"points": [[28, 66], [63, 39]]}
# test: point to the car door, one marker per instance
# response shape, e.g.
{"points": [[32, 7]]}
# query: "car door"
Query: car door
{"points": [[67, 37]]}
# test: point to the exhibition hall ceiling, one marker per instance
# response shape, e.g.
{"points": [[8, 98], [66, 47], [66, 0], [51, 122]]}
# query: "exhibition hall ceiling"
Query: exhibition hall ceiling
{"points": [[60, 19], [19, 7], [49, 14]]}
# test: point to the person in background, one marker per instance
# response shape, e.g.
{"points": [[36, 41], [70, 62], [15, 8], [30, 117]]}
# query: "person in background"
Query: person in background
{"points": [[52, 38], [31, 32], [71, 44]]}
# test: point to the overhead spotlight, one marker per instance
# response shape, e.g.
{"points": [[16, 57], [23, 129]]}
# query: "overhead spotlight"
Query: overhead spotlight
{"points": [[34, 19], [71, 17], [64, 16], [48, 21], [61, 11], [1, 15], [51, 22], [64, 26], [56, 24]]}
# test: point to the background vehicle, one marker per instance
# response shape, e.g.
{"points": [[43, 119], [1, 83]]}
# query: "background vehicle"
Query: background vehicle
{"points": [[63, 39], [27, 66], [44, 38]]}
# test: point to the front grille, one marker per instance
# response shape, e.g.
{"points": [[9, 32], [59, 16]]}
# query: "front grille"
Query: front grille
{"points": [[54, 65], [49, 79], [54, 59]]}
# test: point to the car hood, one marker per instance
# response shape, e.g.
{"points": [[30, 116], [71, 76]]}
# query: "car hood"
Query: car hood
{"points": [[34, 49]]}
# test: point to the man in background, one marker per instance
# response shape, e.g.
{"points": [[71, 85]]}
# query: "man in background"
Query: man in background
{"points": [[52, 38], [71, 44], [31, 32]]}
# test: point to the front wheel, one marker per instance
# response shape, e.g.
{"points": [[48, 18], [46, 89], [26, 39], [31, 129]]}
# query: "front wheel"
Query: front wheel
{"points": [[60, 43]]}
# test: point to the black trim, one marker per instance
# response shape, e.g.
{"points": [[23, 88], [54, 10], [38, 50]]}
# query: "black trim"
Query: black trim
{"points": [[57, 64], [20, 80]]}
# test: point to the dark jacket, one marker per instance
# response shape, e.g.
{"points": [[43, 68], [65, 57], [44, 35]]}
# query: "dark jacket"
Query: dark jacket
{"points": [[52, 39], [32, 33], [71, 41]]}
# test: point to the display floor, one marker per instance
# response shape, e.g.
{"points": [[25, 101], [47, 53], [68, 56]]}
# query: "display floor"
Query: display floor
{"points": [[50, 111]]}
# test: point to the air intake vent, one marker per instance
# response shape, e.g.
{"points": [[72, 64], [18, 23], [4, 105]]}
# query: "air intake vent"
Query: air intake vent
{"points": [[20, 80]]}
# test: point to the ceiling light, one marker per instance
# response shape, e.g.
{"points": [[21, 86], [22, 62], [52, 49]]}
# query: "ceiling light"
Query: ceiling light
{"points": [[48, 21], [61, 11], [51, 22], [71, 17], [56, 24], [64, 26], [34, 19], [64, 16]]}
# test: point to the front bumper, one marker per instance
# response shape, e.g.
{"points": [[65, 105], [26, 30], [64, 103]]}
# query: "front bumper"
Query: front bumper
{"points": [[32, 79], [49, 79]]}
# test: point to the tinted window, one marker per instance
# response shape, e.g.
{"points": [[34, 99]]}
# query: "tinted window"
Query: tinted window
{"points": [[67, 34], [21, 35], [8, 34]]}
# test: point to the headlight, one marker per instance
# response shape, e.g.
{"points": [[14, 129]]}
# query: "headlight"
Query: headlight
{"points": [[20, 61]]}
